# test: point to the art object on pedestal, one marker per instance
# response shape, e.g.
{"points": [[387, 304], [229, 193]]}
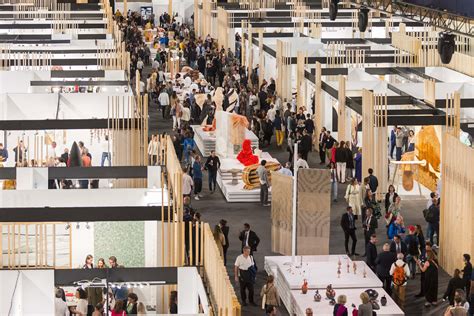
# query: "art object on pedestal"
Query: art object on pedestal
{"points": [[383, 301], [309, 311], [317, 296], [348, 266], [338, 272], [364, 273], [330, 293], [354, 267], [237, 132], [246, 156], [304, 287], [250, 177]]}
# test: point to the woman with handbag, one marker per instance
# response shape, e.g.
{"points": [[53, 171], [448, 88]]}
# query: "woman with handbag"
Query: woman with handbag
{"points": [[269, 294], [353, 197]]}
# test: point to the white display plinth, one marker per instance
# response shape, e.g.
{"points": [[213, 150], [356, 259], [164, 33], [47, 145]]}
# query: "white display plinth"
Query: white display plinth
{"points": [[301, 302], [206, 141], [319, 272], [236, 192]]}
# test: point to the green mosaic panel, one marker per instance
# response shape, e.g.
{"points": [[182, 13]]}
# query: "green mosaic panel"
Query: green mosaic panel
{"points": [[124, 240]]}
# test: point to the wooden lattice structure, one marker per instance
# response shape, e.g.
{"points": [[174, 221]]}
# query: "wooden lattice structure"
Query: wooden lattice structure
{"points": [[374, 137], [283, 61]]}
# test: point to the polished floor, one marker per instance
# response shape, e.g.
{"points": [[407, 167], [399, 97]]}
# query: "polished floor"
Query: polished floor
{"points": [[213, 207]]}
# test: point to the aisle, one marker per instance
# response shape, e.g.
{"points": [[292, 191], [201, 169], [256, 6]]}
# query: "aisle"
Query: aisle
{"points": [[214, 207]]}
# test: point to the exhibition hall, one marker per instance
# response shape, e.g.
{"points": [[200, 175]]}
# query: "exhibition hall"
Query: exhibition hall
{"points": [[224, 157]]}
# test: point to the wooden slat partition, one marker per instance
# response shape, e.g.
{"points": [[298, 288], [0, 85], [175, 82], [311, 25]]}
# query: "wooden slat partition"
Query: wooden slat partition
{"points": [[221, 291], [19, 252], [342, 134], [374, 137], [457, 198], [318, 97], [301, 58]]}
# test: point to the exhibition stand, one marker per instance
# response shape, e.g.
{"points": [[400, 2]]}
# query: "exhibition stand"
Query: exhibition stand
{"points": [[346, 277]]}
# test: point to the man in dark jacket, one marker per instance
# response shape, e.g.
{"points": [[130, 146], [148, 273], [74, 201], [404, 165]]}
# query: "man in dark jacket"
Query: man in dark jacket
{"points": [[371, 251], [305, 145], [383, 263], [432, 218], [348, 226], [398, 246], [249, 238], [373, 181], [309, 124], [370, 224]]}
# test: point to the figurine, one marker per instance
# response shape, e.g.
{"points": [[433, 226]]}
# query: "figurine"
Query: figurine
{"points": [[304, 287], [338, 273], [317, 296], [330, 293], [348, 266], [354, 267], [309, 312], [332, 302], [364, 273], [383, 301], [339, 263]]}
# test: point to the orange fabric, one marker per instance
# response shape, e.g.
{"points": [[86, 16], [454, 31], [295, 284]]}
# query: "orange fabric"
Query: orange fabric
{"points": [[239, 125], [86, 161]]}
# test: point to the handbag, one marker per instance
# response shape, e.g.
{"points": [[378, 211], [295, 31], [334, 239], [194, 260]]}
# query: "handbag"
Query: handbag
{"points": [[252, 271], [264, 297]]}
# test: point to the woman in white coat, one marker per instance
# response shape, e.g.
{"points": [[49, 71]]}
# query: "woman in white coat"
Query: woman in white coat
{"points": [[353, 197]]}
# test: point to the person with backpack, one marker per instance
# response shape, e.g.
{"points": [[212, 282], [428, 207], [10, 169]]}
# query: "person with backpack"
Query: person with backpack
{"points": [[400, 274]]}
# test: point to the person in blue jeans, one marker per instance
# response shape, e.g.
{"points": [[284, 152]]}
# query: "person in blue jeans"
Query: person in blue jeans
{"points": [[106, 153], [197, 177], [188, 145], [392, 141]]}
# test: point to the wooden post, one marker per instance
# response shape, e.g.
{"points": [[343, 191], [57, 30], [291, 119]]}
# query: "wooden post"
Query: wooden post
{"points": [[341, 117]]}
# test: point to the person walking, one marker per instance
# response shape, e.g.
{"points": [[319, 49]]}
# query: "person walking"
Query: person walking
{"points": [[370, 224], [456, 282], [225, 231], [392, 140], [249, 238], [164, 101], [244, 274], [341, 162], [430, 286], [188, 184], [411, 240], [353, 197], [371, 252], [467, 273], [262, 173], [278, 126], [432, 218], [212, 165], [348, 226], [152, 151], [197, 177], [322, 143], [269, 294], [383, 264], [373, 181], [398, 143], [400, 274]]}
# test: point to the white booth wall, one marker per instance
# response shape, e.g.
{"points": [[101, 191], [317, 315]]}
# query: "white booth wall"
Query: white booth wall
{"points": [[184, 8]]}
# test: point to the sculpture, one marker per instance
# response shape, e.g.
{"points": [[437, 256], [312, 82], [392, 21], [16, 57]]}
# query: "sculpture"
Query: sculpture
{"points": [[354, 267], [383, 301], [246, 156], [304, 287], [330, 293], [250, 177], [317, 296]]}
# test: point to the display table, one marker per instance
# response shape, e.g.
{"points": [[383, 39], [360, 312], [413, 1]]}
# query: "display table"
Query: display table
{"points": [[319, 272], [301, 302]]}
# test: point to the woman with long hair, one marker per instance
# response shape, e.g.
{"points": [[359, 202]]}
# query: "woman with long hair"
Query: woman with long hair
{"points": [[101, 264], [353, 197], [269, 294], [89, 262], [430, 286], [118, 309], [390, 197], [220, 239]]}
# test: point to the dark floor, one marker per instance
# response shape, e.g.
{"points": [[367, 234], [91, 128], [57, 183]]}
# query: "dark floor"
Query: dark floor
{"points": [[214, 207]]}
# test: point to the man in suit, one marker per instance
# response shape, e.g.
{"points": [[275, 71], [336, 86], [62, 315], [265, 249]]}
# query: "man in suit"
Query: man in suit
{"points": [[348, 226], [249, 238], [383, 263], [398, 246], [370, 224], [371, 251]]}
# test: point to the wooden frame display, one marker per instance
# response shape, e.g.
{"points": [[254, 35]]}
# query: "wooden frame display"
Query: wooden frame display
{"points": [[374, 137], [283, 61], [302, 58], [319, 108], [457, 197], [341, 110]]}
